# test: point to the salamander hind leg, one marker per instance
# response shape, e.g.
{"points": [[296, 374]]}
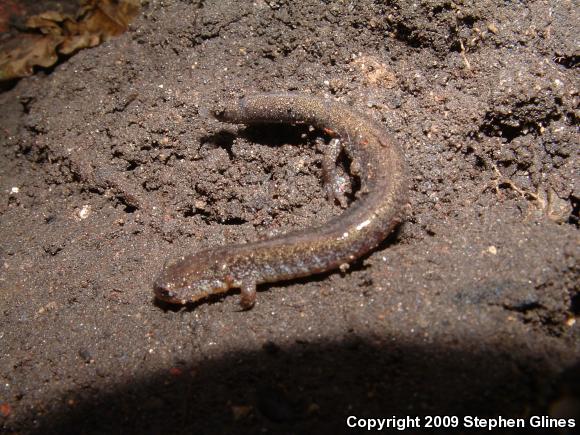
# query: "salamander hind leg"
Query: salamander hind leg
{"points": [[248, 294], [334, 183]]}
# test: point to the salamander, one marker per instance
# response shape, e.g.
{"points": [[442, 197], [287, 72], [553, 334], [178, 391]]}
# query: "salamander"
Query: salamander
{"points": [[379, 205]]}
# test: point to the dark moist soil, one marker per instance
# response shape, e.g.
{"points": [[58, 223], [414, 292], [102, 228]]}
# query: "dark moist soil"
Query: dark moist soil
{"points": [[111, 164]]}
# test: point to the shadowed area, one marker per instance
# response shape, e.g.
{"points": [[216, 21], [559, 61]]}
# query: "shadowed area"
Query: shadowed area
{"points": [[312, 387]]}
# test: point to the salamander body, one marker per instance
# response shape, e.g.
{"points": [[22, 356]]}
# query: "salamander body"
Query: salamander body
{"points": [[379, 207]]}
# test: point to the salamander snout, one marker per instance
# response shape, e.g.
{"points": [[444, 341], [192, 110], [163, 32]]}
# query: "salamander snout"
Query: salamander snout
{"points": [[163, 292], [193, 277], [229, 111]]}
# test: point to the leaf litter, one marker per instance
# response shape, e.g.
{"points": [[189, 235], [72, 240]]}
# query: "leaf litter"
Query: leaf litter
{"points": [[36, 39]]}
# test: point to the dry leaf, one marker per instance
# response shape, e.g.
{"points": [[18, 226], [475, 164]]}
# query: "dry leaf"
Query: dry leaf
{"points": [[53, 33]]}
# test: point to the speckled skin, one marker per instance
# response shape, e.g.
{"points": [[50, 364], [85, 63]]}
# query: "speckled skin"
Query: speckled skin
{"points": [[378, 209]]}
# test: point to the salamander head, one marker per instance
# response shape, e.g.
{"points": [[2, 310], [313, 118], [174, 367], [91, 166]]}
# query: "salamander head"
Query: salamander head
{"points": [[193, 278], [230, 111]]}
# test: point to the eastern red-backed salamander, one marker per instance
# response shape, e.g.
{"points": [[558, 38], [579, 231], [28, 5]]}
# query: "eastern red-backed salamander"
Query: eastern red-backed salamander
{"points": [[379, 207]]}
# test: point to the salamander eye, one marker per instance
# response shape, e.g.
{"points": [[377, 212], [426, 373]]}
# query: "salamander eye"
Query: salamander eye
{"points": [[219, 113], [163, 293]]}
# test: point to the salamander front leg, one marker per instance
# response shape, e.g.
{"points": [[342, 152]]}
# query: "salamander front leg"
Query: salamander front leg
{"points": [[333, 182], [248, 294]]}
